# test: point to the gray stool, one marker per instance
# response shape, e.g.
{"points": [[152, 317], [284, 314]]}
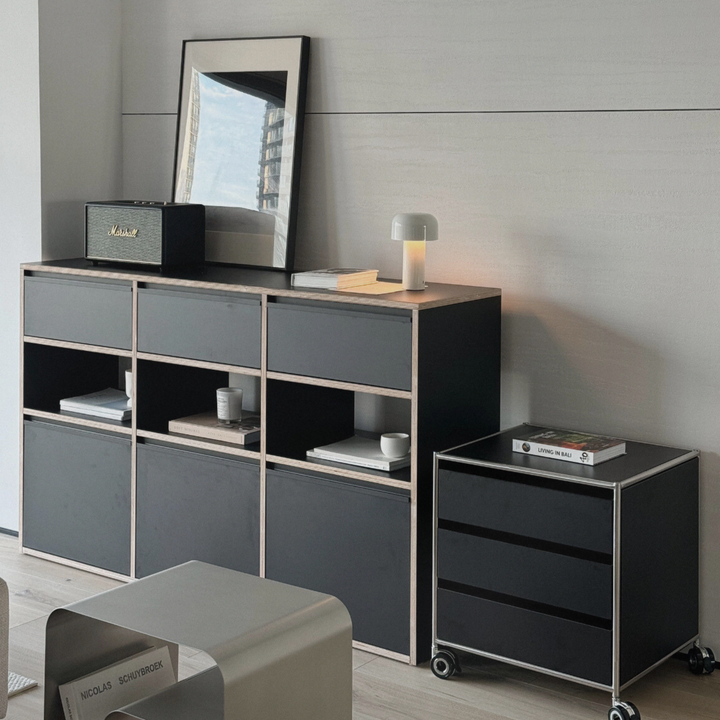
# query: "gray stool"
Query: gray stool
{"points": [[280, 651]]}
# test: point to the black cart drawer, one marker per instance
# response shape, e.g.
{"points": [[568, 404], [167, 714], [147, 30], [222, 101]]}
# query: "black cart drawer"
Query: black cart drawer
{"points": [[546, 641], [76, 494], [193, 506], [572, 583], [92, 313], [578, 516], [222, 328], [341, 343], [346, 540]]}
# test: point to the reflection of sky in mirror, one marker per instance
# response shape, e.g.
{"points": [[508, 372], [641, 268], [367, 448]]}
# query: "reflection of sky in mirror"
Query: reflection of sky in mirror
{"points": [[228, 146]]}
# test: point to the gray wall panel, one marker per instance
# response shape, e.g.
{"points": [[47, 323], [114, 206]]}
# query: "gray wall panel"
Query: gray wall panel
{"points": [[424, 55]]}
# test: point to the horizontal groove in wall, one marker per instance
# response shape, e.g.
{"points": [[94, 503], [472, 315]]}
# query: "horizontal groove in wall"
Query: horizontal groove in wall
{"points": [[514, 112], [543, 608], [511, 538], [477, 112]]}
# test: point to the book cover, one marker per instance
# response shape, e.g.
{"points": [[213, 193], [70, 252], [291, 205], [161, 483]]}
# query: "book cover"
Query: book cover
{"points": [[108, 403], [570, 446], [359, 451], [334, 278], [206, 426], [94, 696]]}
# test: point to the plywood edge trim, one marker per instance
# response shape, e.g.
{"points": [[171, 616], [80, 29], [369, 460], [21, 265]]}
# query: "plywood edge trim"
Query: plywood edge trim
{"points": [[340, 385], [205, 364], [342, 472]]}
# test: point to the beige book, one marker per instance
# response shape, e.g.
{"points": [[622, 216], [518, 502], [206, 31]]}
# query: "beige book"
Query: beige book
{"points": [[208, 427]]}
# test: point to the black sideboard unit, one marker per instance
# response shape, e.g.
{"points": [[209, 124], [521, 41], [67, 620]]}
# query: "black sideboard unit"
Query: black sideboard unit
{"points": [[129, 499], [586, 573]]}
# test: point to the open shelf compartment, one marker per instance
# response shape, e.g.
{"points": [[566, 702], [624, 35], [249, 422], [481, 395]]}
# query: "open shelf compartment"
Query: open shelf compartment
{"points": [[167, 391], [54, 373], [301, 417]]}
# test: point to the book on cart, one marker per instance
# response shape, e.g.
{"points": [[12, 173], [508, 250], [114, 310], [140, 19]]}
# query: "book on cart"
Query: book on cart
{"points": [[206, 426], [334, 278], [360, 451], [110, 404], [95, 696], [570, 446]]}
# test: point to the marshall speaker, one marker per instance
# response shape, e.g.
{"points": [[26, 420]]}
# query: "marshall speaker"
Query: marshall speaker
{"points": [[150, 233]]}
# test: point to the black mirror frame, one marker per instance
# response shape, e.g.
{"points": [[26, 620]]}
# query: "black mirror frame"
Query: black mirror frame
{"points": [[297, 146]]}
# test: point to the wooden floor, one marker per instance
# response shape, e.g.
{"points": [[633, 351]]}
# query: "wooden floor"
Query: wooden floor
{"points": [[384, 689]]}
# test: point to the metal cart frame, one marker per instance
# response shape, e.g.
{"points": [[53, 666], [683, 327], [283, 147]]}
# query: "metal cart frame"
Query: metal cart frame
{"points": [[615, 688]]}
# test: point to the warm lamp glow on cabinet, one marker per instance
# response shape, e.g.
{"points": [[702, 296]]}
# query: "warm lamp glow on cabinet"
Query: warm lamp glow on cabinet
{"points": [[414, 229]]}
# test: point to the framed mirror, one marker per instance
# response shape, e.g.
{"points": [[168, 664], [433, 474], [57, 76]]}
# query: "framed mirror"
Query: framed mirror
{"points": [[239, 143]]}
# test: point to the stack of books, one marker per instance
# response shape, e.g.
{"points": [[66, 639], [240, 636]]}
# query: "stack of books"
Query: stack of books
{"points": [[207, 426], [360, 451], [334, 278], [108, 404], [569, 446]]}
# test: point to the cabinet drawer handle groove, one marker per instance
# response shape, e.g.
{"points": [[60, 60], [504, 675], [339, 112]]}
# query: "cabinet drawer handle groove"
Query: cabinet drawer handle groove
{"points": [[543, 608], [534, 543]]}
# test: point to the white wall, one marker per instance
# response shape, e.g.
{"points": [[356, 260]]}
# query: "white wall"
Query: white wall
{"points": [[80, 44], [19, 218], [69, 54], [570, 151]]}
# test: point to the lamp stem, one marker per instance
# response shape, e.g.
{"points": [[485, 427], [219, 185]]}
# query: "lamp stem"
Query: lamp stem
{"points": [[413, 277]]}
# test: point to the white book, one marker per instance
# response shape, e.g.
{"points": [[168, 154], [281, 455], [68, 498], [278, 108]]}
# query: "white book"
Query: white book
{"points": [[95, 696], [360, 451], [569, 446], [334, 278], [109, 403]]}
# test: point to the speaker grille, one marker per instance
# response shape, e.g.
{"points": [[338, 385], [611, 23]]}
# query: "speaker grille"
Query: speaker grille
{"points": [[146, 247]]}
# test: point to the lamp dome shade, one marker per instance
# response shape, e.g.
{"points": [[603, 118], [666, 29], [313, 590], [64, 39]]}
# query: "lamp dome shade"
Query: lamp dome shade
{"points": [[414, 226]]}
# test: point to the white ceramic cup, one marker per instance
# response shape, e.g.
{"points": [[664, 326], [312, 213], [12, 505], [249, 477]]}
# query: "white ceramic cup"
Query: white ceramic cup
{"points": [[229, 404], [395, 445], [128, 383]]}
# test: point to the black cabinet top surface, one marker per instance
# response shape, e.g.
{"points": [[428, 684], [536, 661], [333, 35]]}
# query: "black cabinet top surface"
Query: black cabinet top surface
{"points": [[227, 277], [640, 460]]}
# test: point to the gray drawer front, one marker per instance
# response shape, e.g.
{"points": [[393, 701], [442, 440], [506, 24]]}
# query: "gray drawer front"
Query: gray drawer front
{"points": [[546, 641], [92, 313], [568, 518], [192, 506], [77, 495], [348, 541], [222, 328], [525, 572], [371, 348]]}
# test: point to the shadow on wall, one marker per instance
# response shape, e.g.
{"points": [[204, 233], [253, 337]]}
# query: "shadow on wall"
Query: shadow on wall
{"points": [[565, 370], [64, 229]]}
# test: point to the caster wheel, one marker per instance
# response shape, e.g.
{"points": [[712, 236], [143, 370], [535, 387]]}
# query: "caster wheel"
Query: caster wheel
{"points": [[624, 711], [701, 660], [709, 662], [444, 665]]}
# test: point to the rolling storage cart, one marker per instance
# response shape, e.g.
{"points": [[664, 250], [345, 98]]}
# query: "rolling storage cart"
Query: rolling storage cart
{"points": [[588, 573]]}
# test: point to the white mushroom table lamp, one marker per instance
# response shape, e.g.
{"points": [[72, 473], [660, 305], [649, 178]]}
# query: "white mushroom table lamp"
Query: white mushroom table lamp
{"points": [[414, 229]]}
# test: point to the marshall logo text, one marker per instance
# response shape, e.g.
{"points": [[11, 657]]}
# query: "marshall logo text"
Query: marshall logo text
{"points": [[117, 231]]}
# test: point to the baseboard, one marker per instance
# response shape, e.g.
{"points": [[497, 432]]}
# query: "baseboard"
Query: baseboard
{"points": [[5, 531]]}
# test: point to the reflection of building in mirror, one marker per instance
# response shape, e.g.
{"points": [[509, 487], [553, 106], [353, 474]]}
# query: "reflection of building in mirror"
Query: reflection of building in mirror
{"points": [[190, 145], [270, 158], [232, 150]]}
